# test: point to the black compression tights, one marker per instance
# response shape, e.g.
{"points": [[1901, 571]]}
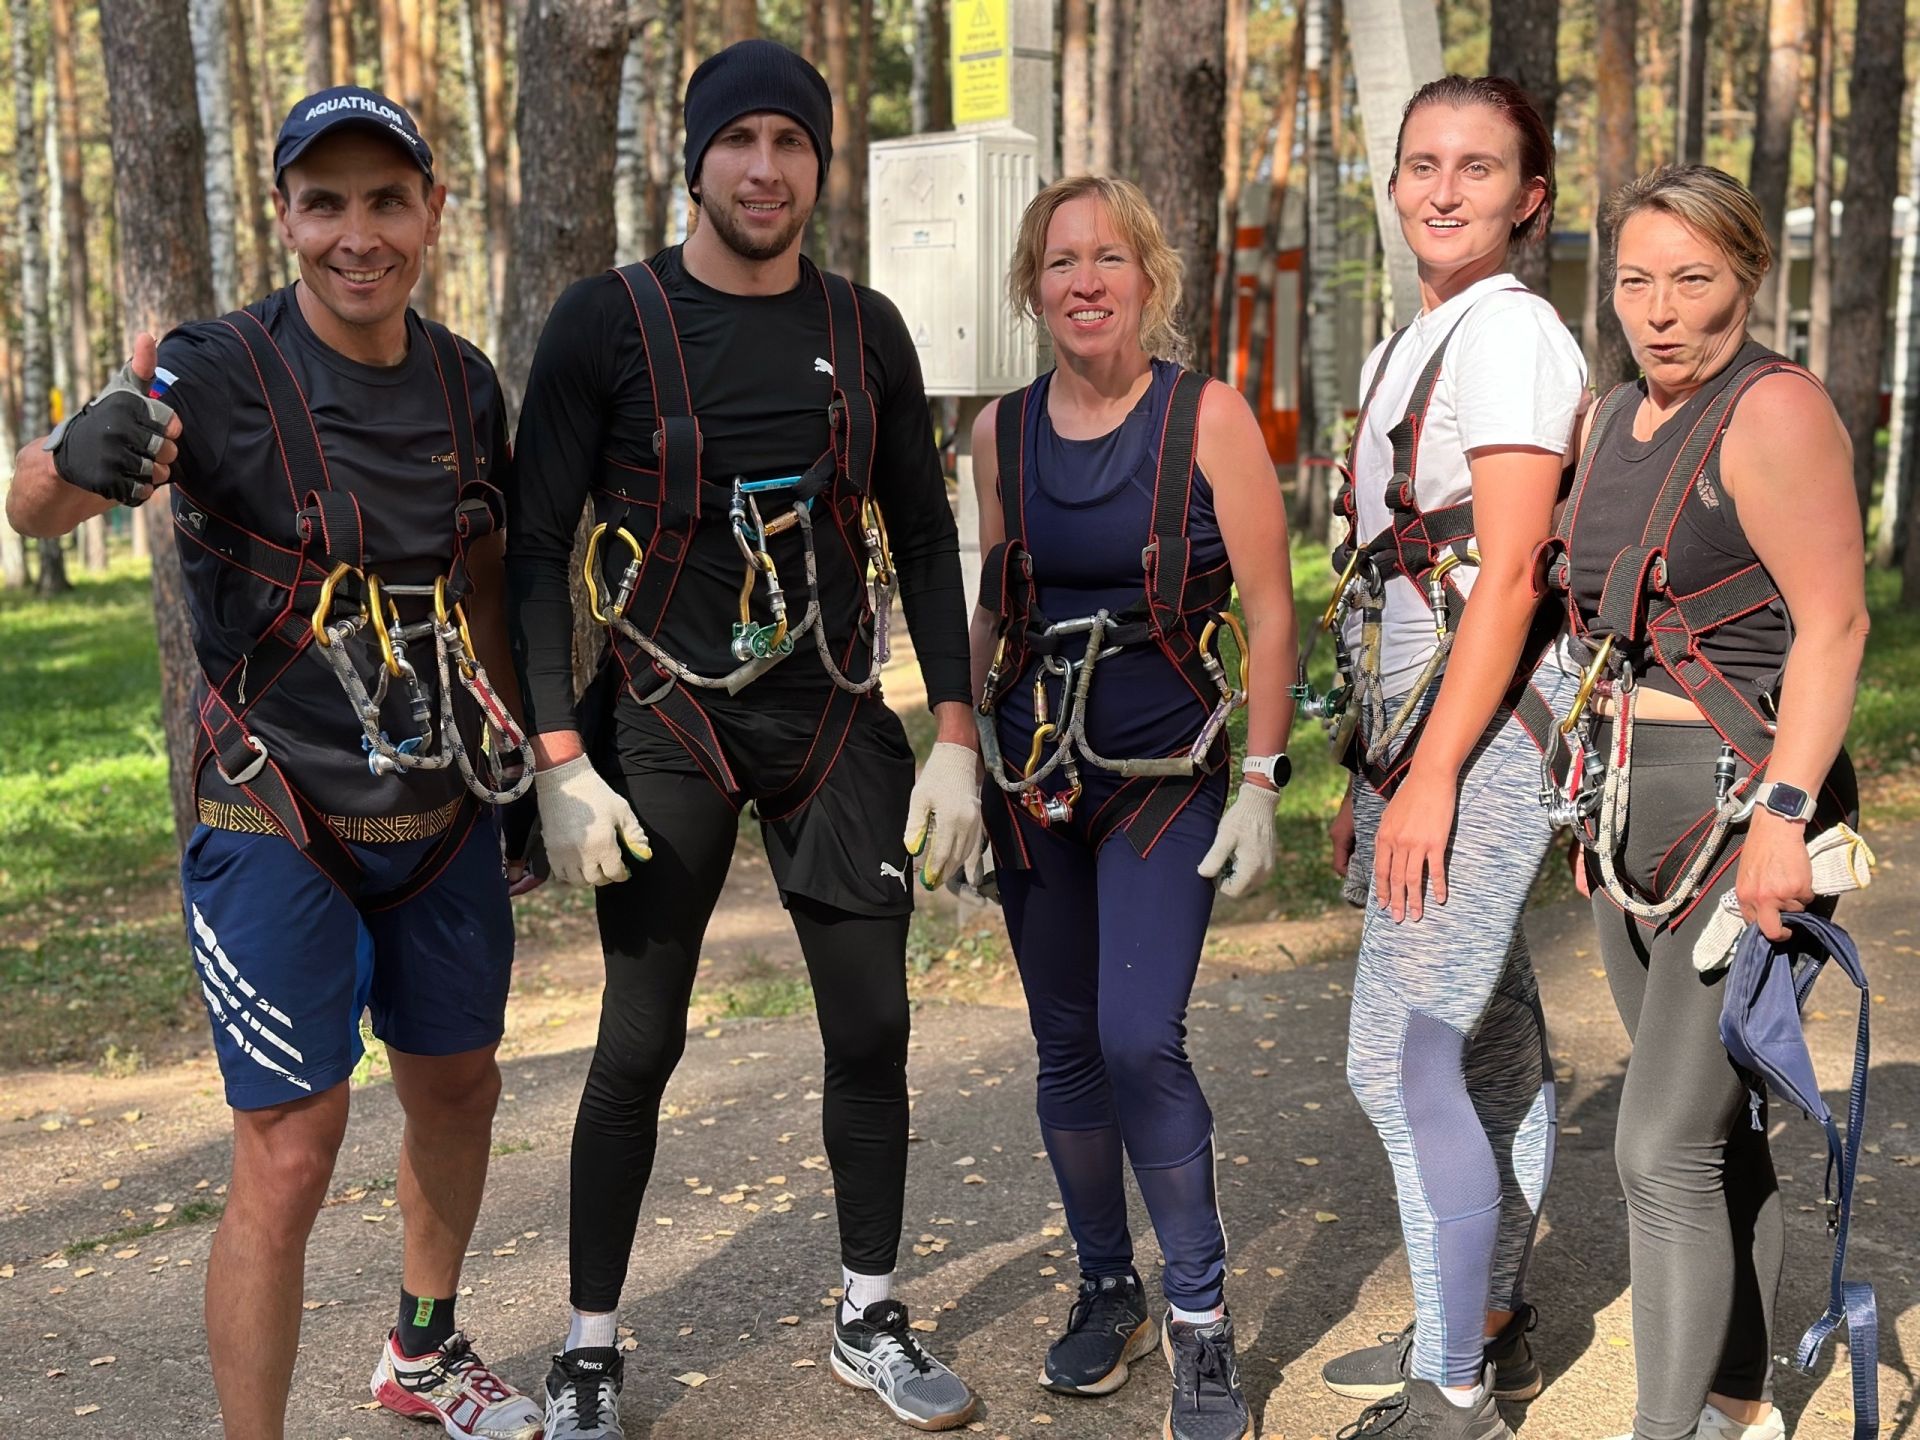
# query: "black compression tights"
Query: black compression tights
{"points": [[650, 929]]}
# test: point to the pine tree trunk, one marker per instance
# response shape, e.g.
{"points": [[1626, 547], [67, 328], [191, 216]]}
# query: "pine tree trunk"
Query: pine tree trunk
{"points": [[1233, 168], [1183, 64], [1523, 44], [1772, 167], [1280, 174], [1820, 299], [1609, 359], [630, 159], [842, 243], [664, 161], [813, 43], [1893, 542], [211, 68], [859, 134], [739, 20], [340, 23], [490, 24], [162, 232], [254, 180], [1076, 115], [1126, 88], [320, 59], [1865, 249], [1690, 108]]}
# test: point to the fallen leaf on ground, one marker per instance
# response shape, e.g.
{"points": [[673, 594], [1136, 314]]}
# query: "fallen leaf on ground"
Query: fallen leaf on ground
{"points": [[692, 1379]]}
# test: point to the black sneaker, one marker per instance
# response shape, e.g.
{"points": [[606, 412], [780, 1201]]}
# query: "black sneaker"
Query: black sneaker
{"points": [[583, 1395], [1381, 1370], [1420, 1412], [880, 1352], [1108, 1327], [1207, 1403]]}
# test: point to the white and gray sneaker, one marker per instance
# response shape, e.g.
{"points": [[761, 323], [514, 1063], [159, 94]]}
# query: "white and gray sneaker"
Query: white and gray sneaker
{"points": [[583, 1395], [878, 1352]]}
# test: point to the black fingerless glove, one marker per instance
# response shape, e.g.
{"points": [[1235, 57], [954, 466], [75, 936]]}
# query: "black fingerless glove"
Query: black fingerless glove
{"points": [[108, 446]]}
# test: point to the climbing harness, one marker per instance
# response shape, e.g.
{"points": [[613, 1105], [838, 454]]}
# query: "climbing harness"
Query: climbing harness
{"points": [[323, 572], [646, 530], [1427, 547], [1642, 621], [1167, 615]]}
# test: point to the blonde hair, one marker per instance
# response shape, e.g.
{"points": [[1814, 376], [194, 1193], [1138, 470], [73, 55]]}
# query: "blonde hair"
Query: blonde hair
{"points": [[1132, 215], [1709, 202]]}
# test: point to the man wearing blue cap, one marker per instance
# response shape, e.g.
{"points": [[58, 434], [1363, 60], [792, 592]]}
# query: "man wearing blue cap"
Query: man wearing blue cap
{"points": [[743, 421], [336, 469]]}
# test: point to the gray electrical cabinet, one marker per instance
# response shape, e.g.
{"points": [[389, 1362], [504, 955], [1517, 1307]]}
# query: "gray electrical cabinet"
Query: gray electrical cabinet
{"points": [[942, 217]]}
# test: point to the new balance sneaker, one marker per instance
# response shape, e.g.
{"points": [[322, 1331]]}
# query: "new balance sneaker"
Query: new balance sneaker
{"points": [[583, 1395], [1207, 1403], [454, 1387], [1419, 1411], [1107, 1328], [878, 1352], [1381, 1370]]}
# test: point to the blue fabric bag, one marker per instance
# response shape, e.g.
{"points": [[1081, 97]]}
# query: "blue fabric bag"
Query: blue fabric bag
{"points": [[1760, 1025]]}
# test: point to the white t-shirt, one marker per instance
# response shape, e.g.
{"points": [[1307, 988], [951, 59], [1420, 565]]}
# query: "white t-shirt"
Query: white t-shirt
{"points": [[1512, 375]]}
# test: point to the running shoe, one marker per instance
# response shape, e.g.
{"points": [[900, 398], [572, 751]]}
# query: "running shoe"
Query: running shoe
{"points": [[1716, 1424], [1381, 1370], [1420, 1412], [454, 1387], [1107, 1328], [1207, 1403], [879, 1352], [583, 1395]]}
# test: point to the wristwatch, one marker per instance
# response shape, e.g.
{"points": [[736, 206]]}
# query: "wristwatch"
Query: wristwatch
{"points": [[1789, 802], [1275, 769]]}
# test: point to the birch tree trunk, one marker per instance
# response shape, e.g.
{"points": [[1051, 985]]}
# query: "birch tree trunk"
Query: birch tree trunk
{"points": [[13, 549], [1233, 167], [1893, 542], [1183, 66], [1608, 357], [254, 180], [1690, 109], [211, 69], [1523, 44], [83, 367], [1279, 175], [1321, 394], [1865, 249], [630, 177], [36, 353], [1771, 170], [1107, 19], [1076, 114], [1820, 297], [162, 235]]}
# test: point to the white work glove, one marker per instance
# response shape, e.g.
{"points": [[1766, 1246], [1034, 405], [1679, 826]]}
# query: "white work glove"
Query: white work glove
{"points": [[943, 815], [1841, 861], [1242, 851], [584, 823]]}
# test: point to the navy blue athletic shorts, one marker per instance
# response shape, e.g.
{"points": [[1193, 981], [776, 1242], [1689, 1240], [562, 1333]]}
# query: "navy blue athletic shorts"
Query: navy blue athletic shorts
{"points": [[286, 962]]}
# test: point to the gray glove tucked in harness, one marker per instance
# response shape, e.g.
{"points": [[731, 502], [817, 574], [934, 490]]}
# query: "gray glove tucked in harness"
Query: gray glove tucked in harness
{"points": [[1242, 850], [108, 446]]}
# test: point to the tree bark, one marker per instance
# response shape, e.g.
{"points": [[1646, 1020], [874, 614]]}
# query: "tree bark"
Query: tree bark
{"points": [[1608, 357], [1894, 541], [1126, 85], [1690, 108], [340, 24], [663, 147], [1523, 44], [1280, 174], [254, 178], [36, 338], [1105, 75], [858, 134], [1076, 114], [490, 22], [1322, 403], [814, 40], [1865, 249], [570, 57], [1772, 167], [13, 549], [211, 67], [630, 175], [842, 242], [1820, 296], [1233, 168], [739, 20], [83, 367], [162, 234], [318, 24], [1183, 64]]}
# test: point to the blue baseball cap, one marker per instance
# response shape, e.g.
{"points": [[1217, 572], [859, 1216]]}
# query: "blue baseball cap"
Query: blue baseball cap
{"points": [[344, 105]]}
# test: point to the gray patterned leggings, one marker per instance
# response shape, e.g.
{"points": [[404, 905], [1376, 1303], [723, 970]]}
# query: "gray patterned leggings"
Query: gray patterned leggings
{"points": [[1448, 1051]]}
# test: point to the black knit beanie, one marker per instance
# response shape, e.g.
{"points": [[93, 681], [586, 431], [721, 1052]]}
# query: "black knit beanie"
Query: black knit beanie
{"points": [[750, 76]]}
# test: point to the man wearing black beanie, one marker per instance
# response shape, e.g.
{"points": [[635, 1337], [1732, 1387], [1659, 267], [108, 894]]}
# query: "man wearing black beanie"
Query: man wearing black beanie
{"points": [[752, 433]]}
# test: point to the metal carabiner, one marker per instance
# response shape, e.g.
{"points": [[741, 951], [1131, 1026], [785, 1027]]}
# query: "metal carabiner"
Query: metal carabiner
{"points": [[323, 611], [590, 569], [1588, 679], [1340, 589], [459, 618], [1211, 629], [375, 614], [878, 546]]}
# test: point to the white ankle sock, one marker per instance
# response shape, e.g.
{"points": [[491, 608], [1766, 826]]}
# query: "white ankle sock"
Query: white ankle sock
{"points": [[593, 1332], [1196, 1317], [860, 1291], [1464, 1397]]}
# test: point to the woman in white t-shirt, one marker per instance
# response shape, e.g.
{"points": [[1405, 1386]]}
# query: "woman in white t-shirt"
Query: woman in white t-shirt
{"points": [[1456, 466]]}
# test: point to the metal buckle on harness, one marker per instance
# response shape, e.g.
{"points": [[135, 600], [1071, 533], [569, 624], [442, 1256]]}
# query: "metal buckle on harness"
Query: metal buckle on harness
{"points": [[253, 766]]}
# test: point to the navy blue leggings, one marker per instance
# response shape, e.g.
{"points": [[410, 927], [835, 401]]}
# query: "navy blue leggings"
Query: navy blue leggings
{"points": [[1108, 944]]}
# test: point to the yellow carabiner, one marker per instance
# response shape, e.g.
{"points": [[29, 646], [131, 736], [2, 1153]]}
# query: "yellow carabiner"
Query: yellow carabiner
{"points": [[323, 611], [1451, 561], [440, 612], [870, 519], [1588, 679], [1339, 589], [379, 619], [590, 568], [1211, 630], [1042, 733]]}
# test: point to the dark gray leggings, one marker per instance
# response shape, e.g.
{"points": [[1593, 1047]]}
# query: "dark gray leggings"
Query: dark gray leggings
{"points": [[1706, 1230]]}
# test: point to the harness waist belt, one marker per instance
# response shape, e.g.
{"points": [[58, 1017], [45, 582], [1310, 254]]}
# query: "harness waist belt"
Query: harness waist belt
{"points": [[357, 829]]}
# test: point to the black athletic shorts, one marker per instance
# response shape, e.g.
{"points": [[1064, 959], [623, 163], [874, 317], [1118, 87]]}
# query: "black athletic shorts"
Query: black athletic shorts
{"points": [[843, 847]]}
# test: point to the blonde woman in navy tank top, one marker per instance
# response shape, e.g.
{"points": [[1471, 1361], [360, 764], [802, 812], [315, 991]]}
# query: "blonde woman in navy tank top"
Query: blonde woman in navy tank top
{"points": [[1114, 478]]}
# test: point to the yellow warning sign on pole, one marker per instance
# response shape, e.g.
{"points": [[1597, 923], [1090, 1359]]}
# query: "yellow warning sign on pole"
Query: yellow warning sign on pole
{"points": [[982, 61]]}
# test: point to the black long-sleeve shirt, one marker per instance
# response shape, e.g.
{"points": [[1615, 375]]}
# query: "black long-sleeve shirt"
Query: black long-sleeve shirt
{"points": [[760, 382]]}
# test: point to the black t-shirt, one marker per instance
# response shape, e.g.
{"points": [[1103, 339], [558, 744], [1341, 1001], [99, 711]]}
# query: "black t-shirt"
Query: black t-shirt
{"points": [[760, 379], [386, 434]]}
